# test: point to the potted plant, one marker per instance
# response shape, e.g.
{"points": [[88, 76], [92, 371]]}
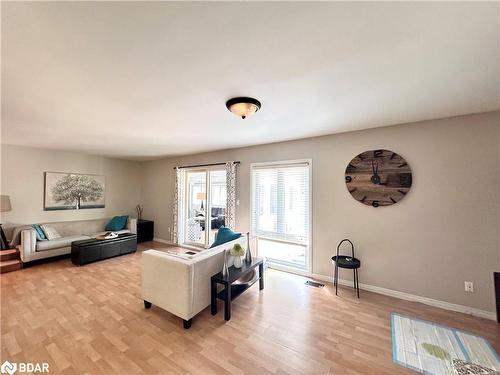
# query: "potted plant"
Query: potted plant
{"points": [[237, 251]]}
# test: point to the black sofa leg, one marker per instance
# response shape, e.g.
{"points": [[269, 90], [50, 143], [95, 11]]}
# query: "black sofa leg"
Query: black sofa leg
{"points": [[147, 305], [186, 323]]}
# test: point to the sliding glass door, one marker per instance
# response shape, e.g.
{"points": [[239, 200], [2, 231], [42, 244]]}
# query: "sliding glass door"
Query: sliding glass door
{"points": [[281, 213], [204, 206], [196, 192]]}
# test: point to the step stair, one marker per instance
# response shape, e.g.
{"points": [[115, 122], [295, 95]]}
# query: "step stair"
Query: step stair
{"points": [[9, 254], [10, 260]]}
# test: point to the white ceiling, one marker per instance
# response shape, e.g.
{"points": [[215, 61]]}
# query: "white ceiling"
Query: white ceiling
{"points": [[142, 80]]}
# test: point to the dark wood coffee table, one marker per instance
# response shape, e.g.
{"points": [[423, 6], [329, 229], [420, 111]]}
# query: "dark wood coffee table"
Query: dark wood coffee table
{"points": [[92, 250], [231, 290]]}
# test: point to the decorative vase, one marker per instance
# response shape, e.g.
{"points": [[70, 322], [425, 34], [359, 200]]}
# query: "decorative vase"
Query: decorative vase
{"points": [[237, 262], [225, 269], [248, 254]]}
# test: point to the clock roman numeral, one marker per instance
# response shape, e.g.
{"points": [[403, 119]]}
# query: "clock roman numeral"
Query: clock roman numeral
{"points": [[352, 166], [392, 156], [402, 165], [378, 153], [392, 199], [402, 192]]}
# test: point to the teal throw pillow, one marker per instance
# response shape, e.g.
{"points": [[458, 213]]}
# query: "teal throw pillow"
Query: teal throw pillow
{"points": [[117, 223], [40, 235], [225, 235]]}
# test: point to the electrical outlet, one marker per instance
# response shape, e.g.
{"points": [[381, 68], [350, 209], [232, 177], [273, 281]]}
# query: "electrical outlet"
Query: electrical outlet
{"points": [[469, 286]]}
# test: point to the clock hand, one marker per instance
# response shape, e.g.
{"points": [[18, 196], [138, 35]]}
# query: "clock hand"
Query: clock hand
{"points": [[375, 179]]}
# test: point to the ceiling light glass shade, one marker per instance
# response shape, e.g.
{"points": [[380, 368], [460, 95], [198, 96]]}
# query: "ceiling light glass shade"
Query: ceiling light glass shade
{"points": [[243, 107]]}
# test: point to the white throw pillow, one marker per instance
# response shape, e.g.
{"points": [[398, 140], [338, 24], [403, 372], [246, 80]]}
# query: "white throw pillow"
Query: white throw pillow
{"points": [[50, 232]]}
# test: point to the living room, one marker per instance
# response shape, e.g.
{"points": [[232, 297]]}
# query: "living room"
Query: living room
{"points": [[160, 159]]}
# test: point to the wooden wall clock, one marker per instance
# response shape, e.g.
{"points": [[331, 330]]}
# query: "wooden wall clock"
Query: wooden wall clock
{"points": [[378, 178]]}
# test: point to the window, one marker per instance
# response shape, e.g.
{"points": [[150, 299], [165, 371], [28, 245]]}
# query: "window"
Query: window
{"points": [[281, 205]]}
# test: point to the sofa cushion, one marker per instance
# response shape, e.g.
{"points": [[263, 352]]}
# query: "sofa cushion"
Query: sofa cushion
{"points": [[117, 223], [59, 242], [50, 232], [224, 235]]}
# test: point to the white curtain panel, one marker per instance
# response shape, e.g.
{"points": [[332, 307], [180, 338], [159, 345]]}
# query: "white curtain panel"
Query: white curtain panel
{"points": [[231, 194], [176, 207]]}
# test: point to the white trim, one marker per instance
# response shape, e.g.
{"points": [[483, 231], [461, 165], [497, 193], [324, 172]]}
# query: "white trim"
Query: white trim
{"points": [[288, 269], [309, 163], [412, 297], [387, 292]]}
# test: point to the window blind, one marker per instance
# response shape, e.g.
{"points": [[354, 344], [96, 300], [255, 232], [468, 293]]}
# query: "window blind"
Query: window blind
{"points": [[281, 202]]}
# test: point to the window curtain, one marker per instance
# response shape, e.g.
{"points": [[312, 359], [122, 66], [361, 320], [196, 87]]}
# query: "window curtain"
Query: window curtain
{"points": [[176, 207], [231, 195]]}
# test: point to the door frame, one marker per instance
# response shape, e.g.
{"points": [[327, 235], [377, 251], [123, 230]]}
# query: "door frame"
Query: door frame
{"points": [[208, 206]]}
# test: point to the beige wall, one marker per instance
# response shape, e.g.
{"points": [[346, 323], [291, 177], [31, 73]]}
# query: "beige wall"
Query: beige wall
{"points": [[445, 231], [23, 180]]}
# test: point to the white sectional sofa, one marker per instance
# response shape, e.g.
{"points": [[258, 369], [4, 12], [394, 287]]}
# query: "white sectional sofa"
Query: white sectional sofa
{"points": [[182, 286], [31, 249]]}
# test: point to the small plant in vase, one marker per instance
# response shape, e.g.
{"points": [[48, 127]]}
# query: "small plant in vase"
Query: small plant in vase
{"points": [[139, 210], [237, 252]]}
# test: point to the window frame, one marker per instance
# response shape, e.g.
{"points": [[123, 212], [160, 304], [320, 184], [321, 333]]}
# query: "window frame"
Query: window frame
{"points": [[309, 243]]}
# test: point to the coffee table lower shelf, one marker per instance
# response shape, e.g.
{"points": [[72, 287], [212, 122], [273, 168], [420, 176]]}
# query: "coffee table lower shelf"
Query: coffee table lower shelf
{"points": [[232, 291]]}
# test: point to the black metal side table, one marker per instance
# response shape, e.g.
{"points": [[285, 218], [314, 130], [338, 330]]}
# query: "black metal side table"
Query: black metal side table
{"points": [[349, 262], [232, 290]]}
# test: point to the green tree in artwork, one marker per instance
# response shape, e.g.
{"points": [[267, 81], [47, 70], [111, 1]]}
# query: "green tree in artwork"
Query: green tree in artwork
{"points": [[75, 189]]}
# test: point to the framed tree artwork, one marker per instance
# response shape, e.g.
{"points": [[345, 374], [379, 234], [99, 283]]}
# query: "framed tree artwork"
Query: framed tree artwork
{"points": [[73, 191]]}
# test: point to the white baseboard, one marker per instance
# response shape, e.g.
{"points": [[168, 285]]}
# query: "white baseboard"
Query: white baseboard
{"points": [[395, 293], [163, 241], [412, 297]]}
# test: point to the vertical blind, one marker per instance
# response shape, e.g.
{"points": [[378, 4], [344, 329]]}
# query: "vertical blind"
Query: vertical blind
{"points": [[281, 202]]}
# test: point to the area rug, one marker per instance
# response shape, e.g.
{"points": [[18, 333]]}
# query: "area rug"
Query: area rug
{"points": [[434, 349]]}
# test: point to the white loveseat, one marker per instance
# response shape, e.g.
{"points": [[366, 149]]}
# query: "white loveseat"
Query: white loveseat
{"points": [[182, 286], [31, 249]]}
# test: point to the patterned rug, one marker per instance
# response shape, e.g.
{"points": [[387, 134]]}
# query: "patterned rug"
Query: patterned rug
{"points": [[434, 349]]}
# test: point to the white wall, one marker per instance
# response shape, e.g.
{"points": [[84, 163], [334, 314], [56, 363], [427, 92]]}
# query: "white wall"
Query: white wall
{"points": [[23, 180], [445, 231]]}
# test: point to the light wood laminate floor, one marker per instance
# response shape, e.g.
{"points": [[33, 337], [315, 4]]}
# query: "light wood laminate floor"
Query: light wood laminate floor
{"points": [[91, 320]]}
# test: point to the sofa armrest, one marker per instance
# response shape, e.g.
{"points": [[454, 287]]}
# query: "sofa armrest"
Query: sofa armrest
{"points": [[28, 244], [132, 225], [167, 282]]}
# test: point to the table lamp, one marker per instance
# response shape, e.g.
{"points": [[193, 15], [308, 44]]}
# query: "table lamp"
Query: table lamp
{"points": [[201, 196]]}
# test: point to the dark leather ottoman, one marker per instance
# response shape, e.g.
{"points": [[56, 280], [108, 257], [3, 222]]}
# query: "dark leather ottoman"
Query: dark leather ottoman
{"points": [[92, 250]]}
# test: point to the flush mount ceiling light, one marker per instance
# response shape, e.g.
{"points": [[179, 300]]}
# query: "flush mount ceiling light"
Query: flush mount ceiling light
{"points": [[243, 106]]}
